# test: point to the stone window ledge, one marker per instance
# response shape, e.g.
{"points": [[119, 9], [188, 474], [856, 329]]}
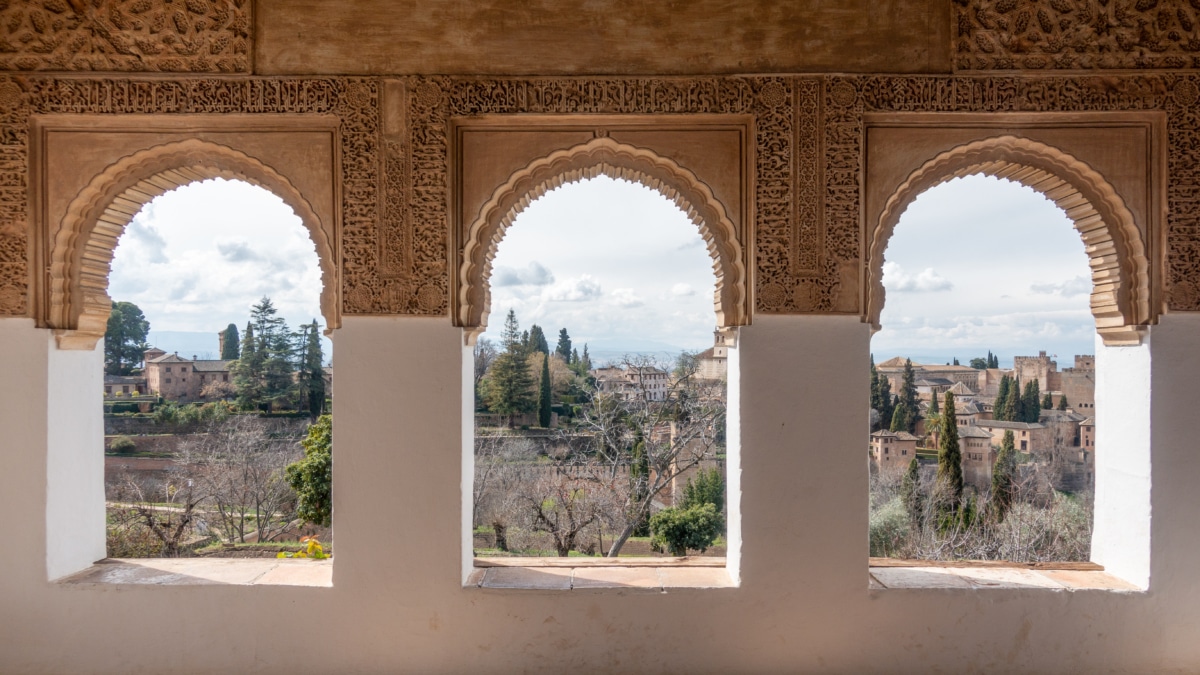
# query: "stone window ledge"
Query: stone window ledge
{"points": [[205, 572], [886, 574], [564, 574]]}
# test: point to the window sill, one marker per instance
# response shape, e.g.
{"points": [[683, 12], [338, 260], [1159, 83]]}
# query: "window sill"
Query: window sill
{"points": [[889, 574], [566, 574], [205, 572]]}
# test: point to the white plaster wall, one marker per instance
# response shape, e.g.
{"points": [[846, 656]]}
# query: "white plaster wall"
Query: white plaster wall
{"points": [[74, 458], [1121, 529], [398, 605]]}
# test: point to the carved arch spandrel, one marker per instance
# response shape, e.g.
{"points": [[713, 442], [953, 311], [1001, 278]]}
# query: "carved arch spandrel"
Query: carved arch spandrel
{"points": [[77, 302], [602, 156], [1121, 272]]}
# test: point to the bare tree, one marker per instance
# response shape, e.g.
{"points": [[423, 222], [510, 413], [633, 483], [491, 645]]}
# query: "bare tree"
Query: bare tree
{"points": [[559, 504], [241, 464], [652, 432], [167, 507]]}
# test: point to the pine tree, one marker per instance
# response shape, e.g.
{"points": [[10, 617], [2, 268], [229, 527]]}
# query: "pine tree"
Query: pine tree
{"points": [[563, 348], [908, 396], [544, 402], [1062, 402], [1047, 401], [910, 492], [510, 389], [273, 346], [574, 357], [124, 338], [585, 361], [949, 473], [229, 343]]}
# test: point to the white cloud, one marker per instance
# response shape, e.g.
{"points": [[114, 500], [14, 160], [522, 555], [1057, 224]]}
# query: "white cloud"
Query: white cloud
{"points": [[896, 279], [574, 290], [626, 297], [142, 236], [682, 290], [236, 251], [1071, 287], [533, 274]]}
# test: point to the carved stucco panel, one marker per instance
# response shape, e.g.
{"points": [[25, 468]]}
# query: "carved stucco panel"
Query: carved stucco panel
{"points": [[1076, 34], [194, 36]]}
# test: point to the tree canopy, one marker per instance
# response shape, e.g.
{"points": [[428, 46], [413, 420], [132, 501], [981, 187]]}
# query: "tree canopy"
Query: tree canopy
{"points": [[125, 338], [312, 477]]}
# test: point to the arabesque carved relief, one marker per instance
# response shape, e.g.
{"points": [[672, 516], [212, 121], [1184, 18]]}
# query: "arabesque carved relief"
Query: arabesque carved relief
{"points": [[1076, 34], [604, 156], [126, 35], [809, 149]]}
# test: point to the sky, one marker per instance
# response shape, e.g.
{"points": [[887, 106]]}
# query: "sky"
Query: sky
{"points": [[615, 263], [979, 264], [975, 264], [197, 258]]}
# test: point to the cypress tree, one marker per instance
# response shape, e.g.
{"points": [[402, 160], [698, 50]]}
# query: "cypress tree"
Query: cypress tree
{"points": [[537, 340], [933, 405], [1004, 477], [908, 395], [585, 361], [1031, 402], [1062, 402], [312, 372], [949, 473], [900, 417], [247, 371], [910, 492], [1013, 408], [229, 343], [563, 348], [544, 394], [639, 479], [1047, 402], [1001, 397]]}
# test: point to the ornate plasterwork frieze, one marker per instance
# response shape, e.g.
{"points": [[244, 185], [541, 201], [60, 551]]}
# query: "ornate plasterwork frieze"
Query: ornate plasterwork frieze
{"points": [[808, 154], [179, 36], [1076, 34]]}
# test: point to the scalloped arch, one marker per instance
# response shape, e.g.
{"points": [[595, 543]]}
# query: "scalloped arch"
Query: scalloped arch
{"points": [[603, 156], [77, 303], [1120, 300]]}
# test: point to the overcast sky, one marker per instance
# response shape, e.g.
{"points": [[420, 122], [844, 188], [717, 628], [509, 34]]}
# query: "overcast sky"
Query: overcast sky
{"points": [[197, 258], [980, 263], [975, 264]]}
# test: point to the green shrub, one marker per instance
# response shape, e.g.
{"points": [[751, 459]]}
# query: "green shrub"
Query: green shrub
{"points": [[122, 445], [678, 530], [888, 528]]}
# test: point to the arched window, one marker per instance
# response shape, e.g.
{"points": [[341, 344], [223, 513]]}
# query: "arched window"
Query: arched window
{"points": [[616, 283]]}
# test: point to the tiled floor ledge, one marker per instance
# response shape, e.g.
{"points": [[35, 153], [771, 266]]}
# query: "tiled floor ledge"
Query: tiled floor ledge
{"points": [[565, 574], [891, 573], [205, 572]]}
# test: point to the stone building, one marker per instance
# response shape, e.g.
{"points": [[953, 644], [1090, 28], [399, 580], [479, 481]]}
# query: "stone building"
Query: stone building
{"points": [[1028, 437], [407, 135], [647, 383], [891, 451], [178, 379], [978, 456], [713, 363]]}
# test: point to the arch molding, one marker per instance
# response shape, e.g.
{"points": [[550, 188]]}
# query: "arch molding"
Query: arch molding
{"points": [[77, 304], [1121, 269], [602, 156]]}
